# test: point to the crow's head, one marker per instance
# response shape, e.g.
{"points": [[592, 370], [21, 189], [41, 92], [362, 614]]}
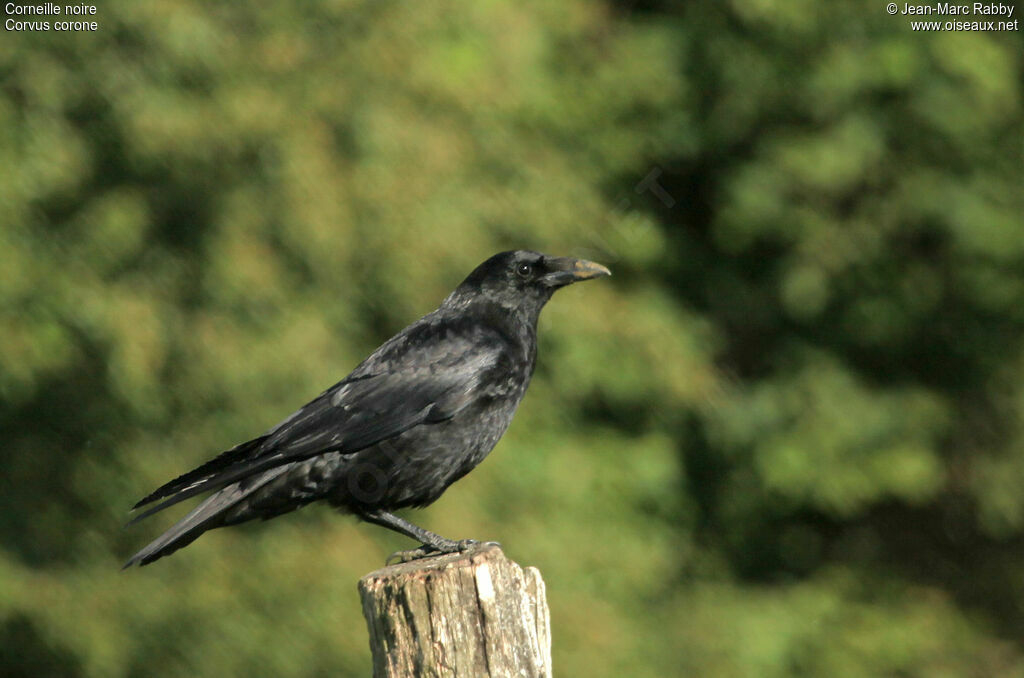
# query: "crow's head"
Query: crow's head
{"points": [[523, 281]]}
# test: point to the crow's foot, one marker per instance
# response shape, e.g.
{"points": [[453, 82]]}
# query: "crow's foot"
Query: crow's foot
{"points": [[427, 551], [411, 554]]}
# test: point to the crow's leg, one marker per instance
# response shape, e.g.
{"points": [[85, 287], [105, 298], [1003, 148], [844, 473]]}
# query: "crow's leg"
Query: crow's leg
{"points": [[402, 526], [433, 544]]}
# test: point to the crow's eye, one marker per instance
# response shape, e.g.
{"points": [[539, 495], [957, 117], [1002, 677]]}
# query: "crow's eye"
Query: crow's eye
{"points": [[524, 270]]}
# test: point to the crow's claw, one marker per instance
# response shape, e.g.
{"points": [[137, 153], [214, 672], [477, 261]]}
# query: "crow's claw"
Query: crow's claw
{"points": [[411, 554], [427, 551]]}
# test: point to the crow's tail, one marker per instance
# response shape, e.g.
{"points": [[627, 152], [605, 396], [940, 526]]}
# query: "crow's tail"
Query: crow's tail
{"points": [[209, 514]]}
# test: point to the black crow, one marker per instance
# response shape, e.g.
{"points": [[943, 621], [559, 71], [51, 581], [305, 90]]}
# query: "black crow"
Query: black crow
{"points": [[421, 412]]}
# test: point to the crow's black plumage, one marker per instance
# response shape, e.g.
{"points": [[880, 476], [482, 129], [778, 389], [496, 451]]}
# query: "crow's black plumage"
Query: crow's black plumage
{"points": [[422, 411]]}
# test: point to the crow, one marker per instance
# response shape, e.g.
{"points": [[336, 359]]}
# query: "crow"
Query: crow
{"points": [[418, 414]]}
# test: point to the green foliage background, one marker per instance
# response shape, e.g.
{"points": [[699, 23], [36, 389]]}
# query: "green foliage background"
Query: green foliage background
{"points": [[784, 439]]}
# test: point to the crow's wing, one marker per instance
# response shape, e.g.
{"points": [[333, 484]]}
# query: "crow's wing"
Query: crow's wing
{"points": [[391, 392]]}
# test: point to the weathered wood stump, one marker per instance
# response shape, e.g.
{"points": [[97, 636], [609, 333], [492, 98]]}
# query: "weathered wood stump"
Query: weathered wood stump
{"points": [[461, 615]]}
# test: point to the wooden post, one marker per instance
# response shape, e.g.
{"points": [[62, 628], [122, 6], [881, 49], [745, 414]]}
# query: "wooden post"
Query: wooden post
{"points": [[460, 615]]}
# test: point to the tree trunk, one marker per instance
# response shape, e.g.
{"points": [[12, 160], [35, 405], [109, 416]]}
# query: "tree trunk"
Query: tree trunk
{"points": [[460, 615]]}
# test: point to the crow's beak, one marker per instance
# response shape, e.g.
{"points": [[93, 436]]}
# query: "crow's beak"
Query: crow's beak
{"points": [[566, 270]]}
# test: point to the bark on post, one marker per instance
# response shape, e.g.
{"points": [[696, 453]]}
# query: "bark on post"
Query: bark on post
{"points": [[459, 615]]}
